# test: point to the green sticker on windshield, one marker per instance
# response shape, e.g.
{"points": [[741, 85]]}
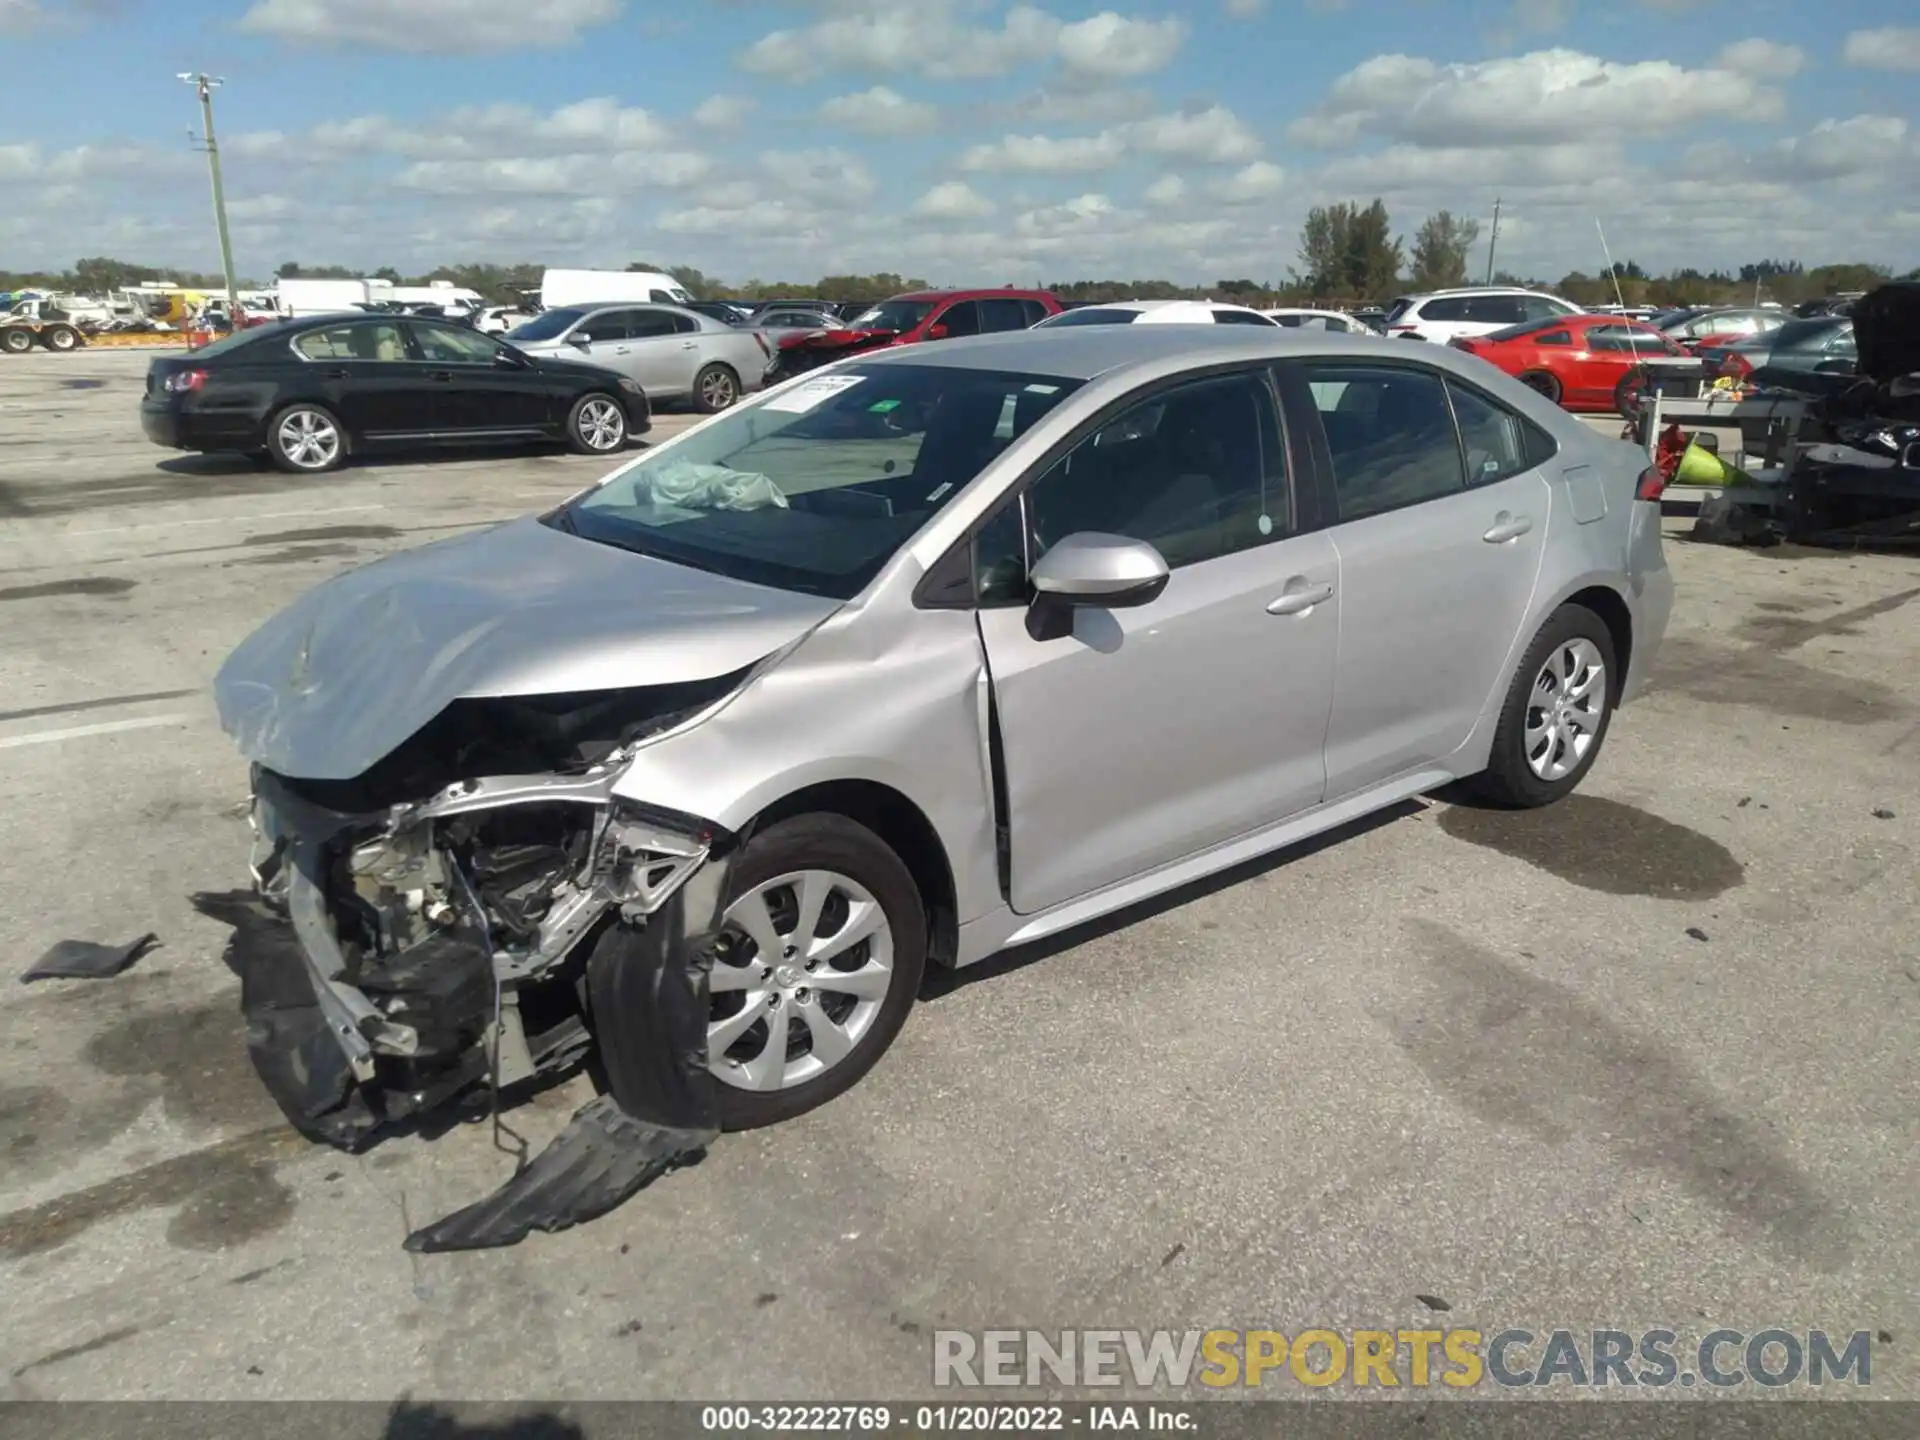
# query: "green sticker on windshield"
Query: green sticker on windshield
{"points": [[881, 407]]}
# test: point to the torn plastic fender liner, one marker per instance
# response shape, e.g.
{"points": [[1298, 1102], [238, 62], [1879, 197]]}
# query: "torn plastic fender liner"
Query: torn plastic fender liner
{"points": [[647, 980]]}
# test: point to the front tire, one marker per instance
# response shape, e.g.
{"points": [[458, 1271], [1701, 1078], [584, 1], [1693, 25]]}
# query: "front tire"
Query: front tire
{"points": [[823, 946], [307, 440], [714, 389], [1556, 713], [598, 425], [61, 337]]}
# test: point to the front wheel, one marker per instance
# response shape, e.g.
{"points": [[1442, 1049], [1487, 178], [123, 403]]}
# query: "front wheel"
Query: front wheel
{"points": [[307, 440], [822, 948], [61, 337], [597, 426], [1555, 715]]}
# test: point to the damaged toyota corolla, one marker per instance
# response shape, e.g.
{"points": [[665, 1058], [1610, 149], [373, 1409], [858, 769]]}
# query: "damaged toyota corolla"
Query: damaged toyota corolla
{"points": [[907, 661]]}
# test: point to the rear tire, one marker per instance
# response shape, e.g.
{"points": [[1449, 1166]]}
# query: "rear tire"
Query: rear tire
{"points": [[16, 340], [307, 439], [859, 862], [597, 425], [1541, 381], [1555, 717], [715, 388]]}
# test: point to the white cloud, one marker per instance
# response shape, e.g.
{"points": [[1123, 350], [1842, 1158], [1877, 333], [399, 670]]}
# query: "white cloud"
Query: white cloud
{"points": [[1078, 105], [1545, 97], [1836, 149], [261, 207], [1762, 59], [889, 38], [579, 174], [1114, 47], [1244, 9], [1214, 135], [1262, 180], [880, 111], [722, 112], [952, 200], [1045, 154], [599, 124], [1893, 48], [1166, 192], [1080, 214], [19, 16], [429, 26], [841, 175]]}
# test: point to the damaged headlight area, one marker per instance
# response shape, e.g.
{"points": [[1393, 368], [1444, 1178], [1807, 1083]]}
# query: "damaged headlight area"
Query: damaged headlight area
{"points": [[489, 932]]}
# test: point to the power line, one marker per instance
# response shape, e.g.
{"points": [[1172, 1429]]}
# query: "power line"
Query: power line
{"points": [[204, 86]]}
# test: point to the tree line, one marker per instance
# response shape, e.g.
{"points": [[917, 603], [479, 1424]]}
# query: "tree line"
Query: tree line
{"points": [[1348, 255]]}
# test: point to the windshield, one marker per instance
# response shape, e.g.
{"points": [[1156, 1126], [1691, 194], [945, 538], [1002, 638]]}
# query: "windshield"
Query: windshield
{"points": [[549, 325], [899, 316], [1093, 316], [815, 488]]}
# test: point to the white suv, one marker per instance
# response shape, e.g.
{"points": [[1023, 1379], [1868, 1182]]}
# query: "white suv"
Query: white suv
{"points": [[1444, 314]]}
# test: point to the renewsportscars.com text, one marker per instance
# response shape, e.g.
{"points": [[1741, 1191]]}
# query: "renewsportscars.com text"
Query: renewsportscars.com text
{"points": [[1459, 1358]]}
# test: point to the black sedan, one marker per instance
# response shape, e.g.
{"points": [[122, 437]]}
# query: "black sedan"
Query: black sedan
{"points": [[309, 393]]}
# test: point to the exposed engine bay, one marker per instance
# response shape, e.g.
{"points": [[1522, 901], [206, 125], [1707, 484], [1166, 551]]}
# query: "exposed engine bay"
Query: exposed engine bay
{"points": [[460, 944]]}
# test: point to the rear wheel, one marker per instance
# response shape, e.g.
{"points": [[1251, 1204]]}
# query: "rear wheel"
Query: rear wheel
{"points": [[1540, 380], [597, 426], [714, 389], [61, 337], [1555, 715], [16, 340], [822, 949], [306, 440]]}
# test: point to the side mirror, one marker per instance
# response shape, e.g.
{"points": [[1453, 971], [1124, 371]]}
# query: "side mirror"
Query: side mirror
{"points": [[936, 332], [1110, 571], [579, 340]]}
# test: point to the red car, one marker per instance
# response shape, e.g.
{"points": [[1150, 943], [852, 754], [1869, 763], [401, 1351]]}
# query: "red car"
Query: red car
{"points": [[1580, 362], [912, 318]]}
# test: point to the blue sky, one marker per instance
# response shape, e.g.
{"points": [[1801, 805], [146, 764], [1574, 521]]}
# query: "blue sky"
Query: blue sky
{"points": [[960, 140]]}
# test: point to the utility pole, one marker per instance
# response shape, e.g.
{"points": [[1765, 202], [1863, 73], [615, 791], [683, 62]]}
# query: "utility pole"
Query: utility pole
{"points": [[1493, 240], [204, 86]]}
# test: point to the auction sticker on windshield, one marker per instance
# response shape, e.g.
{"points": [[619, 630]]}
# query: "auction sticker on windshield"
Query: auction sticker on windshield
{"points": [[809, 393]]}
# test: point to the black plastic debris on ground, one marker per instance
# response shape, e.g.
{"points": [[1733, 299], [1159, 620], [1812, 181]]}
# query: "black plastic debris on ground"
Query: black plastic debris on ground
{"points": [[596, 1164], [86, 960]]}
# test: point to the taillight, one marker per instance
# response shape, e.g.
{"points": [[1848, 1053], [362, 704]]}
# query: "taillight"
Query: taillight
{"points": [[183, 380], [761, 341], [1401, 329], [1652, 484]]}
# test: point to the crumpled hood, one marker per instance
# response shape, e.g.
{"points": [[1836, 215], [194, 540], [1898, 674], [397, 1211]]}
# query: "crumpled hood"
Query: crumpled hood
{"points": [[355, 666]]}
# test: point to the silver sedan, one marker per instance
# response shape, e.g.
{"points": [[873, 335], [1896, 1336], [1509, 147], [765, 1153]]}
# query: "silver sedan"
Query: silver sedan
{"points": [[674, 353], [919, 657]]}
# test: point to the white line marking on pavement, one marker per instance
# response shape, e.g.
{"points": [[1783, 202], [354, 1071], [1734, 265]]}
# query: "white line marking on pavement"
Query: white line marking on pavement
{"points": [[226, 520], [75, 732]]}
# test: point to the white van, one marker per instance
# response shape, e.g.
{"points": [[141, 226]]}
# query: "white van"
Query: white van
{"points": [[590, 287]]}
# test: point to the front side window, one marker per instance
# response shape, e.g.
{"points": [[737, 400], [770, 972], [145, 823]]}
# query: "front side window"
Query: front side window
{"points": [[1197, 472], [1390, 433], [454, 347], [960, 318], [899, 316], [815, 488], [353, 342]]}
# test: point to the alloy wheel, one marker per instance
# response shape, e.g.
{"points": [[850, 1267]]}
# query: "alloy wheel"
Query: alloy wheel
{"points": [[309, 439], [601, 425], [716, 390], [803, 967], [1565, 708]]}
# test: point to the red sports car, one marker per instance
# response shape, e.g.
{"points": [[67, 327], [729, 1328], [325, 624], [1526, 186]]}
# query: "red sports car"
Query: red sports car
{"points": [[1580, 362]]}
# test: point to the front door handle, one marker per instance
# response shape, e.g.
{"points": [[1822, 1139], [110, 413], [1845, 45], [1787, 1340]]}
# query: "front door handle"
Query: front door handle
{"points": [[445, 377], [1300, 597], [620, 349], [1507, 527], [339, 374], [690, 345]]}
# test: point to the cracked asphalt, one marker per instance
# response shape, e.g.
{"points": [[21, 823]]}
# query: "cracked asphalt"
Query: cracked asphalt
{"points": [[1644, 1059]]}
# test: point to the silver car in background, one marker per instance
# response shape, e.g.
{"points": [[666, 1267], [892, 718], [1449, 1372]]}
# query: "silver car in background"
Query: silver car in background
{"points": [[921, 656], [674, 353]]}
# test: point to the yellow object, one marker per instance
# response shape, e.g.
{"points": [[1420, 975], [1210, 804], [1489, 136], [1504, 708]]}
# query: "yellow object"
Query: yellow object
{"points": [[1700, 466]]}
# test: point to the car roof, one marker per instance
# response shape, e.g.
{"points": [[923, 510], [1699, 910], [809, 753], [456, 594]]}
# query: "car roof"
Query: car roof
{"points": [[1480, 290], [1080, 352], [986, 294]]}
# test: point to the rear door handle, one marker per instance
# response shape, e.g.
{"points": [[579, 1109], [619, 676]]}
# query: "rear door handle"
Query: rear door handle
{"points": [[1300, 597], [1507, 527], [442, 375], [689, 344], [620, 349], [334, 374]]}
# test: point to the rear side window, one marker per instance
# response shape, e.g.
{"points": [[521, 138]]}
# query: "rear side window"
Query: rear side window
{"points": [[684, 324], [1094, 316], [997, 315], [353, 342], [1555, 337], [1497, 310], [1035, 311], [1390, 432], [1539, 307], [1239, 317], [1497, 443], [662, 297], [1450, 307]]}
